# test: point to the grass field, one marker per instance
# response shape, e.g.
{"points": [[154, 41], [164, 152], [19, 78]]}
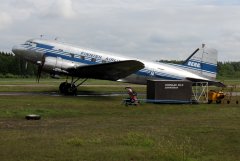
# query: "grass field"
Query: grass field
{"points": [[102, 129]]}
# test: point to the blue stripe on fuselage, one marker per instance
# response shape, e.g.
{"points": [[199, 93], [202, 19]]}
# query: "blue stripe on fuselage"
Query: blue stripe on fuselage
{"points": [[198, 65], [204, 67], [164, 76], [44, 46], [208, 67]]}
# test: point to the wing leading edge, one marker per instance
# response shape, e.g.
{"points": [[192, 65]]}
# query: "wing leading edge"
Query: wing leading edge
{"points": [[108, 71]]}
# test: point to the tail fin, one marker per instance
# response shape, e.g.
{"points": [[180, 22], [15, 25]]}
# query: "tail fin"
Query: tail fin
{"points": [[203, 61]]}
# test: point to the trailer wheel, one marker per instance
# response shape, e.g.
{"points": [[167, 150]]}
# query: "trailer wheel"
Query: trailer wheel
{"points": [[218, 101], [32, 117]]}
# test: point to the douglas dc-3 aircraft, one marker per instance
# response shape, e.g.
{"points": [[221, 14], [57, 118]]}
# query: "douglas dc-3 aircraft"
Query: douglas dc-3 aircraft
{"points": [[58, 58]]}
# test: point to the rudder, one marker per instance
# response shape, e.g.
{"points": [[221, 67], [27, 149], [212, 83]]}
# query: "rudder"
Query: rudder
{"points": [[203, 61]]}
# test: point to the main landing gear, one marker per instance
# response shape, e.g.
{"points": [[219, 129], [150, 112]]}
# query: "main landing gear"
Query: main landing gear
{"points": [[70, 88]]}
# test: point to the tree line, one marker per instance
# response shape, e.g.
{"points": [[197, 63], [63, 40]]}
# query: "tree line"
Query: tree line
{"points": [[12, 66]]}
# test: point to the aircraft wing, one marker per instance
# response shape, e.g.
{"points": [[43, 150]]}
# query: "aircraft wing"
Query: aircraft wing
{"points": [[108, 71]]}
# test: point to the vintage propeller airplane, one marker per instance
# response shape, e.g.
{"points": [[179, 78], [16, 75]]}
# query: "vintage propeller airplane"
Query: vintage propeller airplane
{"points": [[58, 58]]}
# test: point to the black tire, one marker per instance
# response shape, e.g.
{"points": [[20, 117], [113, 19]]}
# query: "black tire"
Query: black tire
{"points": [[209, 101], [67, 89], [218, 101], [32, 117], [62, 87], [228, 102]]}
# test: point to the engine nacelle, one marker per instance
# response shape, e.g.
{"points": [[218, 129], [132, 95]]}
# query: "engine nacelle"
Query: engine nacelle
{"points": [[57, 64], [55, 76]]}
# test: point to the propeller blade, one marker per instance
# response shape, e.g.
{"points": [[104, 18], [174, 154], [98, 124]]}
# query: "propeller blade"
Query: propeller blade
{"points": [[40, 67], [26, 65], [39, 73]]}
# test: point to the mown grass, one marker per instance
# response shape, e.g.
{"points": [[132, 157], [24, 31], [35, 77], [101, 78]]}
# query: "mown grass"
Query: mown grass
{"points": [[102, 129], [93, 128], [51, 85], [50, 81]]}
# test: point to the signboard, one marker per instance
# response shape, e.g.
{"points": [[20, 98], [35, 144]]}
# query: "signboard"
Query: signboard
{"points": [[169, 91]]}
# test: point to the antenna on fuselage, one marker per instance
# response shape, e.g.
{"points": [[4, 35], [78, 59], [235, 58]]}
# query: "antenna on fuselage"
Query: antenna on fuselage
{"points": [[203, 47]]}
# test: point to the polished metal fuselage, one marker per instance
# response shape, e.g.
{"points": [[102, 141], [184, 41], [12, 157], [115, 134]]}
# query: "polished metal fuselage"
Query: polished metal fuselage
{"points": [[58, 57]]}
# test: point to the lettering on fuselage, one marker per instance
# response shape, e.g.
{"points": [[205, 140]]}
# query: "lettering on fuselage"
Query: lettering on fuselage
{"points": [[152, 73], [110, 59], [194, 64], [98, 57], [91, 55]]}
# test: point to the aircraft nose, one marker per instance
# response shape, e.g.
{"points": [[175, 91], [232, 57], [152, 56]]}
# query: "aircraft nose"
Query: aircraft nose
{"points": [[17, 49], [14, 49]]}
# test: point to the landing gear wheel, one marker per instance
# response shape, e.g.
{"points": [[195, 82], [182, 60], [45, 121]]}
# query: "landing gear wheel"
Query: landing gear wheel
{"points": [[62, 87], [67, 88]]}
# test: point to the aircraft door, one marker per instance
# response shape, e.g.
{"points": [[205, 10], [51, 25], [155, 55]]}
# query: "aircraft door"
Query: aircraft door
{"points": [[58, 63]]}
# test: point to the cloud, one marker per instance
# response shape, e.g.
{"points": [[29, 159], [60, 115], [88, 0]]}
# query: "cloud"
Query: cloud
{"points": [[20, 10], [61, 8], [160, 29], [5, 20]]}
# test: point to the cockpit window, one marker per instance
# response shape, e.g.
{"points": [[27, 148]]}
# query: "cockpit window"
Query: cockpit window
{"points": [[29, 42]]}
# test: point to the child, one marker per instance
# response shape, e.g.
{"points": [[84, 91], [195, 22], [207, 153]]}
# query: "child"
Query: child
{"points": [[132, 96]]}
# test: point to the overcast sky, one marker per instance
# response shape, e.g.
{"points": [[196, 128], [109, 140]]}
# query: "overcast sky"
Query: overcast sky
{"points": [[148, 29]]}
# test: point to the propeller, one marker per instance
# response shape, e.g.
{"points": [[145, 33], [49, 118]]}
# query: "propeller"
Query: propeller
{"points": [[26, 65], [40, 67]]}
